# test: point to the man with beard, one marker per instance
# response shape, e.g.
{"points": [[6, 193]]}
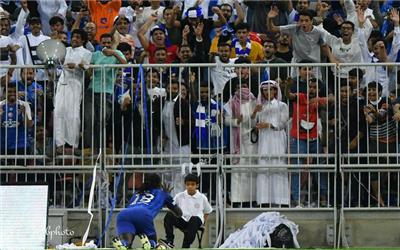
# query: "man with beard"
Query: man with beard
{"points": [[283, 49], [224, 71], [227, 12], [274, 73], [69, 93], [15, 119]]}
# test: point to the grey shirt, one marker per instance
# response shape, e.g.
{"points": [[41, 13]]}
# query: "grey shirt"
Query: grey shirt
{"points": [[306, 45]]}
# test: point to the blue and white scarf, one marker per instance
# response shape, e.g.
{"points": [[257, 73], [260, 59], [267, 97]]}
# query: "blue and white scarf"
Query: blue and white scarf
{"points": [[205, 122], [238, 47]]}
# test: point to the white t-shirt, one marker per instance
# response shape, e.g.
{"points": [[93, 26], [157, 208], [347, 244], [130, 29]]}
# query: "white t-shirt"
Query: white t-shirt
{"points": [[193, 205], [221, 74], [5, 42], [34, 41]]}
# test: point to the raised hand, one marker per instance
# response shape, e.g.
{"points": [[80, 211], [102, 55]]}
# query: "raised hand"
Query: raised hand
{"points": [[394, 16], [273, 12], [198, 31]]}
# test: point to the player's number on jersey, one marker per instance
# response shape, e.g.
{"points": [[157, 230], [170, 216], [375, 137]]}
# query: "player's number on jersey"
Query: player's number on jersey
{"points": [[145, 199]]}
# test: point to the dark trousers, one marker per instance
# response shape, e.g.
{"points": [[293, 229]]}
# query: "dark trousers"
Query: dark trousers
{"points": [[189, 228]]}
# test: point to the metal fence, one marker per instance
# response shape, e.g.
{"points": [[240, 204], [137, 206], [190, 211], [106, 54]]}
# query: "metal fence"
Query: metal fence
{"points": [[324, 137]]}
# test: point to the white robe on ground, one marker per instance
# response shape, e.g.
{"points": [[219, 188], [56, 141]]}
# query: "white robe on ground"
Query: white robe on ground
{"points": [[243, 182], [68, 98], [273, 183]]}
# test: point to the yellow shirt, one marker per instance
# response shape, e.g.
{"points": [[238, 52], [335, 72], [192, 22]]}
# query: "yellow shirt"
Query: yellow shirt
{"points": [[256, 51]]}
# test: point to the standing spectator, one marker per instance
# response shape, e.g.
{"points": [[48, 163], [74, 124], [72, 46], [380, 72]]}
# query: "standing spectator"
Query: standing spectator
{"points": [[7, 57], [194, 17], [283, 49], [153, 12], [159, 39], [274, 73], [224, 71], [237, 116], [306, 39], [28, 44], [242, 46], [56, 26], [376, 73], [33, 91], [304, 138], [195, 208], [92, 44], [103, 13], [381, 136], [67, 101], [294, 15], [102, 85], [172, 25], [121, 32], [48, 9], [271, 116], [243, 76], [15, 119]]}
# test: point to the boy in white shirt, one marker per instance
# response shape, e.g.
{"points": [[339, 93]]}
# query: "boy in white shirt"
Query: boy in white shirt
{"points": [[195, 208]]}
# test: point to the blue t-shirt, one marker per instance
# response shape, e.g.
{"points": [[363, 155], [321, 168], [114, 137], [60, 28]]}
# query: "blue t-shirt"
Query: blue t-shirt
{"points": [[154, 200], [13, 131]]}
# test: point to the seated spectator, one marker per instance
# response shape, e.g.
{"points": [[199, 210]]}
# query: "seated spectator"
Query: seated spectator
{"points": [[159, 39], [195, 208], [15, 119]]}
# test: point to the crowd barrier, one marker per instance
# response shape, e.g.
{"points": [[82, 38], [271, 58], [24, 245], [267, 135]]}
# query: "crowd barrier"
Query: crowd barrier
{"points": [[323, 138]]}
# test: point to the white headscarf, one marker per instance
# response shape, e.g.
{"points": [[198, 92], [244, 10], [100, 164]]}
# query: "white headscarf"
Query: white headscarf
{"points": [[265, 84]]}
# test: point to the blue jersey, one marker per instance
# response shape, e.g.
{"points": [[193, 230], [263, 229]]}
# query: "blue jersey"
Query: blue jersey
{"points": [[153, 200], [13, 131]]}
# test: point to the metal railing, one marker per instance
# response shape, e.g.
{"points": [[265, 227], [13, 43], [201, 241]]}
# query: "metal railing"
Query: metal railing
{"points": [[302, 156]]}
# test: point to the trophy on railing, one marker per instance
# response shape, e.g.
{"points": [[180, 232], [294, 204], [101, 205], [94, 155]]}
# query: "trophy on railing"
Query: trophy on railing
{"points": [[51, 52]]}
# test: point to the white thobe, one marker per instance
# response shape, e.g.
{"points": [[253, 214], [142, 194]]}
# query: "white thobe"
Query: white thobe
{"points": [[243, 182], [272, 182], [68, 98]]}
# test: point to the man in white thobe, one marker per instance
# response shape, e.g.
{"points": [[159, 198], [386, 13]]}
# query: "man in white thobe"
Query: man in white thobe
{"points": [[68, 96]]}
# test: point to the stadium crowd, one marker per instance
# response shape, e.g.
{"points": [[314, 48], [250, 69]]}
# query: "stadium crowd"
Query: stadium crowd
{"points": [[227, 108]]}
